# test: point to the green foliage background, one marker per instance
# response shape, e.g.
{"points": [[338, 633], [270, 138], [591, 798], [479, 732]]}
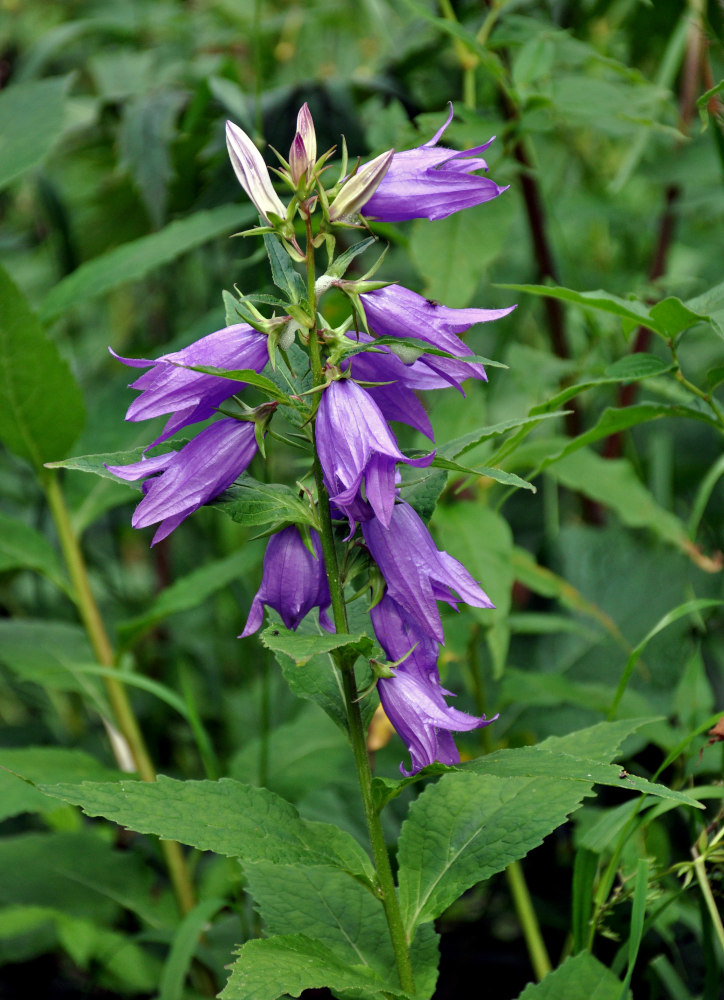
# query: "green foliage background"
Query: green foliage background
{"points": [[117, 201]]}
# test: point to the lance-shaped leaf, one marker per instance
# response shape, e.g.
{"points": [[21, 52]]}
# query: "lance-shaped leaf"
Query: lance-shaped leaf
{"points": [[42, 408]]}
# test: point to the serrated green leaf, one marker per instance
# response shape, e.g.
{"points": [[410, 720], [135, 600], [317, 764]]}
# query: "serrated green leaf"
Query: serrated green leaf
{"points": [[537, 761], [31, 119], [137, 258], [580, 977], [96, 464], [631, 310], [246, 375], [224, 816], [319, 679], [458, 446], [42, 764], [600, 742], [467, 827], [326, 905], [499, 475], [270, 968], [301, 648], [252, 503], [674, 316], [637, 366], [42, 409], [424, 491], [284, 275], [616, 419]]}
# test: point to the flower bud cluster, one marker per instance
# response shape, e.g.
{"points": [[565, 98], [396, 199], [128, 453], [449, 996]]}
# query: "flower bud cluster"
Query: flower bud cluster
{"points": [[362, 383]]}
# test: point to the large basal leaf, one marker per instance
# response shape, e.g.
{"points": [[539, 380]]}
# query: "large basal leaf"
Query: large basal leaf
{"points": [[580, 977], [137, 258], [277, 966], [31, 119], [467, 827], [42, 408], [328, 906], [224, 816]]}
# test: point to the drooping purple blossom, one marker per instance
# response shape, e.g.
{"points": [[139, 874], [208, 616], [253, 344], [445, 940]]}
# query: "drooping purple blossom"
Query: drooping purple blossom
{"points": [[194, 396], [395, 311], [414, 699], [293, 582], [417, 573], [189, 478], [355, 444], [431, 182]]}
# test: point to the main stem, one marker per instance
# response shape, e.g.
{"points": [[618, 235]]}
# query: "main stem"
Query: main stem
{"points": [[385, 888], [122, 712]]}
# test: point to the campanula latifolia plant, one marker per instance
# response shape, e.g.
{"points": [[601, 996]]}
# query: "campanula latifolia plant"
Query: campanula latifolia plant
{"points": [[352, 582]]}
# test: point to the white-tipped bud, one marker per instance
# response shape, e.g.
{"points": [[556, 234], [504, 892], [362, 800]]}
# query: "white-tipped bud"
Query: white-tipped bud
{"points": [[252, 173], [303, 151], [360, 187]]}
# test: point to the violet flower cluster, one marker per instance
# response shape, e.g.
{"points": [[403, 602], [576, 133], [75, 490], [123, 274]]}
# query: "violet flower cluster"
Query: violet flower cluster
{"points": [[367, 386]]}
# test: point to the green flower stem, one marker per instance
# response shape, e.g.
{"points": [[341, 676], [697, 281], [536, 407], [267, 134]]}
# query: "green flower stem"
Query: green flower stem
{"points": [[386, 889], [115, 689], [528, 920], [711, 904]]}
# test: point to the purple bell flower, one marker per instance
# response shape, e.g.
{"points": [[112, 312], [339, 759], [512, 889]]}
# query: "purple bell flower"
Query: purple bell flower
{"points": [[189, 478], [395, 311], [293, 582], [355, 443], [417, 573], [431, 182], [414, 700], [193, 396]]}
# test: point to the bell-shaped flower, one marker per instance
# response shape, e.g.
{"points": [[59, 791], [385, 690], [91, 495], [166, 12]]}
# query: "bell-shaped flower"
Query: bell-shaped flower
{"points": [[413, 699], [395, 311], [355, 444], [194, 396], [293, 582], [252, 173], [416, 572], [303, 152], [182, 481], [431, 182]]}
